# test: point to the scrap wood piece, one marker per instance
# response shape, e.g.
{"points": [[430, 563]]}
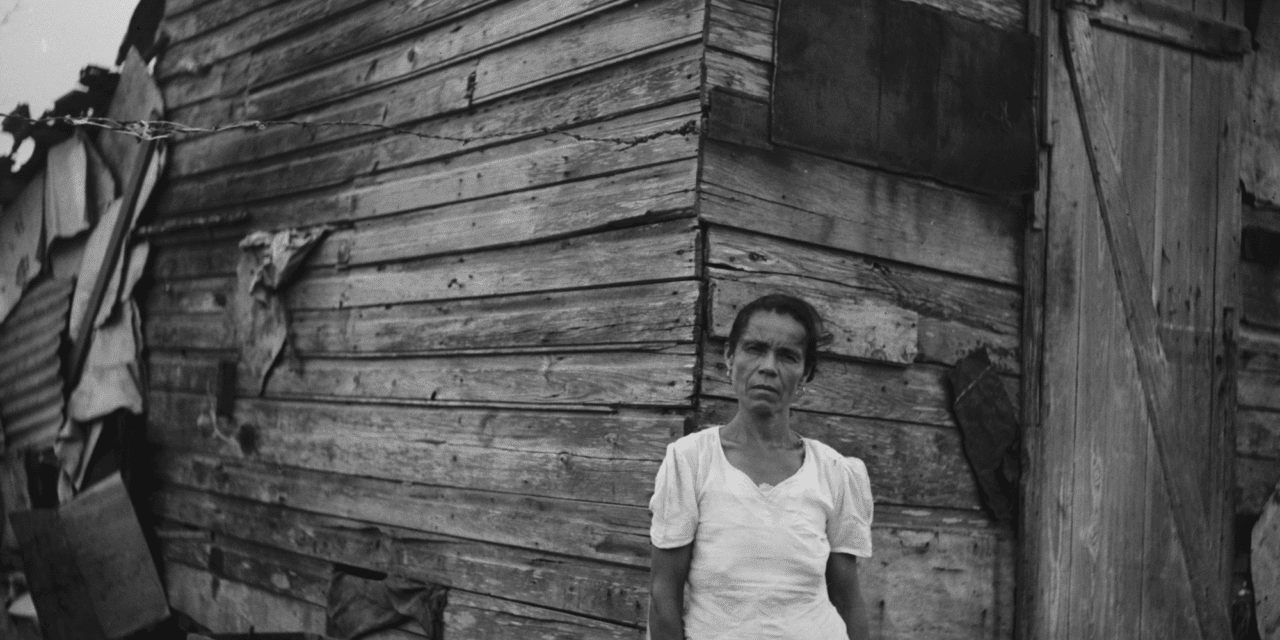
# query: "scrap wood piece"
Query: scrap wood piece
{"points": [[359, 606], [1264, 567], [1134, 284], [989, 426], [99, 263], [267, 264], [88, 566], [111, 378], [21, 243], [136, 98], [66, 190]]}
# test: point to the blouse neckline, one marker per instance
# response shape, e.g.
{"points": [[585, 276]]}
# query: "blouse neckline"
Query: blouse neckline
{"points": [[763, 487]]}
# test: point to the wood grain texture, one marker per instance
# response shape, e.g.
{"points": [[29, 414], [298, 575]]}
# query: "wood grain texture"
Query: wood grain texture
{"points": [[661, 313], [818, 201], [607, 379], [468, 615], [517, 453], [1258, 433], [195, 260], [641, 314], [462, 65], [1256, 480], [603, 590], [584, 529], [647, 194], [663, 251], [742, 28], [940, 573], [737, 74], [956, 315], [233, 607], [590, 97], [379, 184], [1260, 293]]}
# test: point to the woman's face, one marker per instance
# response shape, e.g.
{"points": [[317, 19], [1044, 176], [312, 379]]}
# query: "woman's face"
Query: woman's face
{"points": [[767, 366]]}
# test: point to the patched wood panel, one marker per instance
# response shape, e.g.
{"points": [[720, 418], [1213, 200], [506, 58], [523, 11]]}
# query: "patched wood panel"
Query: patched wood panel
{"points": [[909, 88]]}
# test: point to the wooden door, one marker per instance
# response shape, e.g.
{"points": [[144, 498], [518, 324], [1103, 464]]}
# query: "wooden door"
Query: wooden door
{"points": [[1129, 511]]}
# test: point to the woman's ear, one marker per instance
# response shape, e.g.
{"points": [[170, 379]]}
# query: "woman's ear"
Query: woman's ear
{"points": [[728, 362]]}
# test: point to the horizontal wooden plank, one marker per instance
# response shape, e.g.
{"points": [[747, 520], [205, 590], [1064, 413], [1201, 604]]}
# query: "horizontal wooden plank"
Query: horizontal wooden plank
{"points": [[484, 618], [1261, 217], [198, 295], [650, 137], [220, 30], [1260, 288], [584, 99], [618, 315], [280, 572], [803, 197], [1008, 14], [381, 442], [233, 607], [194, 260], [909, 465], [1256, 479], [186, 19], [603, 379], [467, 615], [1258, 433], [625, 434], [738, 74], [647, 194], [206, 331], [665, 251], [1258, 390], [956, 315], [934, 573], [862, 326], [741, 28], [737, 120], [603, 590], [443, 78], [597, 531], [1259, 349]]}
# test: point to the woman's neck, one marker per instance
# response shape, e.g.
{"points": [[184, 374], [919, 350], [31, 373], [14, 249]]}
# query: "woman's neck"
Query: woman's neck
{"points": [[770, 431]]}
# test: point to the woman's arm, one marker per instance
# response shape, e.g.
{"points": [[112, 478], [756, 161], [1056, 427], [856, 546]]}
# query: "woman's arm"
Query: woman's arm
{"points": [[668, 570], [846, 595]]}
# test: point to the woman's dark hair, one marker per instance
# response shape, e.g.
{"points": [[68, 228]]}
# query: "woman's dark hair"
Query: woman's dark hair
{"points": [[787, 305]]}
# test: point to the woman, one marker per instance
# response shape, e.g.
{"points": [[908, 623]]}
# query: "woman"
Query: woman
{"points": [[763, 526]]}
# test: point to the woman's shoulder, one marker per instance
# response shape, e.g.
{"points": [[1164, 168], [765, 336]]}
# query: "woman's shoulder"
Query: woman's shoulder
{"points": [[696, 443], [830, 460]]}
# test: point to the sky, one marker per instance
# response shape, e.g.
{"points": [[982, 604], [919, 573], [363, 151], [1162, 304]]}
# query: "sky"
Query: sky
{"points": [[45, 43]]}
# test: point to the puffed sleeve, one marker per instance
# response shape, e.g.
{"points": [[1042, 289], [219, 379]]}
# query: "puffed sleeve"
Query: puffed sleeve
{"points": [[849, 528], [675, 501]]}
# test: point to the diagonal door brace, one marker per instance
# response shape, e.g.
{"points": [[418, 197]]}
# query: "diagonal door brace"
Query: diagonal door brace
{"points": [[1190, 519]]}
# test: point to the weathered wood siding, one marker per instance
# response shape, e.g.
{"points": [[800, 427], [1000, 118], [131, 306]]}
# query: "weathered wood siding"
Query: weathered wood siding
{"points": [[493, 346], [1258, 415], [911, 275]]}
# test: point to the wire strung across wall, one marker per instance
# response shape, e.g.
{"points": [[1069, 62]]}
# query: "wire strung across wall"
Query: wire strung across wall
{"points": [[163, 129]]}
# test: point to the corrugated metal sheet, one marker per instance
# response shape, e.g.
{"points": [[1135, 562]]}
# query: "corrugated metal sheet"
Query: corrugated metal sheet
{"points": [[31, 386]]}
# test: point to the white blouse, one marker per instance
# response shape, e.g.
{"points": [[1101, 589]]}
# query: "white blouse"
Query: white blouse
{"points": [[759, 563]]}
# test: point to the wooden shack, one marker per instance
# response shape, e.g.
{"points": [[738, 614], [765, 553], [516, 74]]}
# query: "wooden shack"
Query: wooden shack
{"points": [[543, 215]]}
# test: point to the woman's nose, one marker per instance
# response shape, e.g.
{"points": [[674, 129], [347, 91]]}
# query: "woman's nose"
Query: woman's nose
{"points": [[769, 362]]}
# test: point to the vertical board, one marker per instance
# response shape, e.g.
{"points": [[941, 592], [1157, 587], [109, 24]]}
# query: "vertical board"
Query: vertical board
{"points": [[1110, 562]]}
